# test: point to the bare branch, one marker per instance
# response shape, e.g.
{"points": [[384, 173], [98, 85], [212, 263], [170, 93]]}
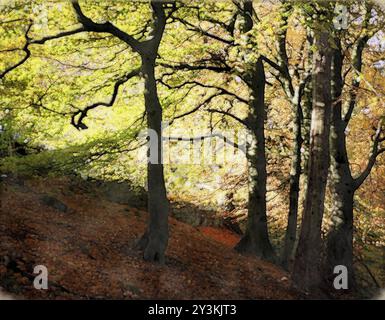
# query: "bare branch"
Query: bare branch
{"points": [[282, 50], [197, 83], [78, 122], [57, 36], [272, 64], [375, 152], [226, 113], [198, 107], [186, 66], [357, 64], [208, 136], [107, 27], [159, 20], [198, 29], [24, 59], [11, 21]]}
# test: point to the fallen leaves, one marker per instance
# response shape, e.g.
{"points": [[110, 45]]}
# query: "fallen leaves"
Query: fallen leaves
{"points": [[90, 253]]}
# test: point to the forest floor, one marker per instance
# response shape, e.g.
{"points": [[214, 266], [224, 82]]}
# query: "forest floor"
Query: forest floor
{"points": [[87, 244]]}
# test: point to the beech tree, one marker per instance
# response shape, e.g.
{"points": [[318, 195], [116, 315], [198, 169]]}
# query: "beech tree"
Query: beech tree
{"points": [[306, 271], [155, 239], [256, 239], [343, 183], [296, 86], [237, 64]]}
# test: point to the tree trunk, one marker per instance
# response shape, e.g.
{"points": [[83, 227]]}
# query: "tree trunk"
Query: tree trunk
{"points": [[256, 238], [307, 107], [301, 102], [294, 96], [340, 236], [295, 175], [306, 272], [154, 241]]}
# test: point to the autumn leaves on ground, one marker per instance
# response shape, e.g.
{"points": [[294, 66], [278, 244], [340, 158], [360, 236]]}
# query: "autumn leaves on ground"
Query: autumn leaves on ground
{"points": [[87, 244]]}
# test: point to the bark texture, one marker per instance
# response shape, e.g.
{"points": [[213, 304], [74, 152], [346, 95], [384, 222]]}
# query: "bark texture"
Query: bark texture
{"points": [[340, 236], [343, 185], [155, 240], [256, 238], [306, 272]]}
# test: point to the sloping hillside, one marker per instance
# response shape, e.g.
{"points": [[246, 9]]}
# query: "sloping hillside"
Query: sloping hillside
{"points": [[86, 242]]}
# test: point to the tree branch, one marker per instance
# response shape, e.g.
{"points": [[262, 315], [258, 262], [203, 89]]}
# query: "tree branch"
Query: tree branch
{"points": [[159, 19], [273, 64], [57, 36], [375, 152], [78, 122], [208, 136], [203, 32], [186, 66], [357, 64], [196, 83], [198, 107], [24, 59], [107, 27], [226, 113], [282, 50]]}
